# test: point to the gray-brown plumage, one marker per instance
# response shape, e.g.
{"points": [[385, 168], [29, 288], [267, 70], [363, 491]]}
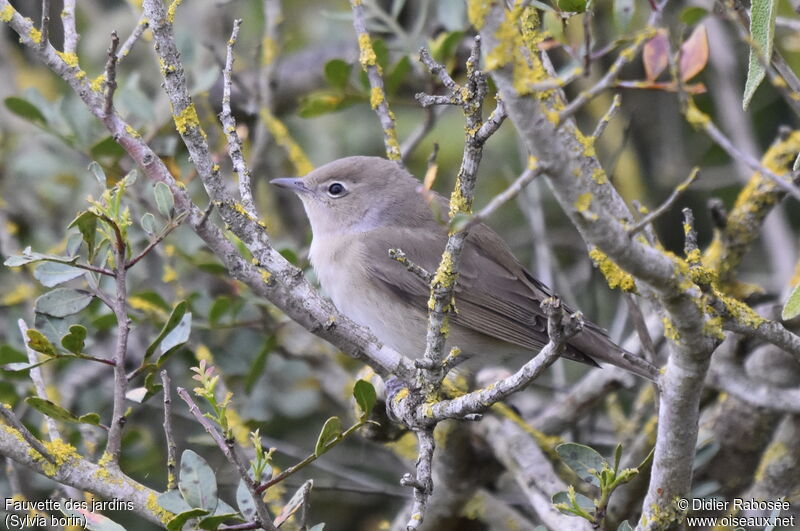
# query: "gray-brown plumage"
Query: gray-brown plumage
{"points": [[360, 207]]}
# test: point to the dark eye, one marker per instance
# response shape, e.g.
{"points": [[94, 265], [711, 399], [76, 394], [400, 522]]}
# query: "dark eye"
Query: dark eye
{"points": [[336, 190]]}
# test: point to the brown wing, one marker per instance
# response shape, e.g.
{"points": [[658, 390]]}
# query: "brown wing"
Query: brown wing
{"points": [[494, 295]]}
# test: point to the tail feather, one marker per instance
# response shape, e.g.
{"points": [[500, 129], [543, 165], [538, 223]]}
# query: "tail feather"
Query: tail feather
{"points": [[591, 345]]}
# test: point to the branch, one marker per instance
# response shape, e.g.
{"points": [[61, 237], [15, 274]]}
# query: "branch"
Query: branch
{"points": [[111, 73], [666, 205], [70, 31], [172, 451], [12, 420], [135, 35], [506, 195], [228, 450], [378, 100]]}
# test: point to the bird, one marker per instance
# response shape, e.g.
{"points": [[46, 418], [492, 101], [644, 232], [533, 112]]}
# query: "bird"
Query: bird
{"points": [[360, 207]]}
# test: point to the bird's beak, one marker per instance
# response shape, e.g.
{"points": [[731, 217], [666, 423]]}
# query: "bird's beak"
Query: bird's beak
{"points": [[291, 183]]}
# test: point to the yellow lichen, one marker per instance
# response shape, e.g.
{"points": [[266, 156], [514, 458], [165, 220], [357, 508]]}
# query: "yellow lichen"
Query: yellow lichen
{"points": [[159, 512], [477, 11], [583, 202], [774, 452], [7, 13], [171, 10], [131, 131], [266, 276], [599, 176], [392, 145], [35, 35], [400, 395], [670, 332], [695, 116], [97, 83], [169, 274], [61, 452], [282, 137], [367, 55], [269, 51], [71, 59], [614, 275], [186, 119], [533, 162]]}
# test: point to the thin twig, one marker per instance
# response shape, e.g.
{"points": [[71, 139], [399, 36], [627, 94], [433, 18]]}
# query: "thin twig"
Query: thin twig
{"points": [[230, 454], [378, 100], [417, 135], [666, 205], [111, 73], [120, 303], [12, 420], [172, 460], [158, 239], [70, 31], [603, 123], [399, 256], [229, 125], [735, 153], [45, 27], [273, 17], [135, 35], [37, 379]]}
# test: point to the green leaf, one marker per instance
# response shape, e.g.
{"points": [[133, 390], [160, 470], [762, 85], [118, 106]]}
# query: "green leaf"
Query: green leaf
{"points": [[584, 504], [792, 307], [219, 308], [106, 148], [74, 341], [623, 14], [213, 522], [297, 500], [197, 482], [54, 411], [148, 223], [762, 33], [337, 73], [86, 222], [381, 53], [365, 396], [585, 461], [444, 46], [177, 523], [9, 354], [692, 15], [178, 335], [39, 342], [243, 499], [331, 430], [98, 172], [25, 109], [164, 200], [62, 302], [571, 6], [52, 274], [29, 256], [257, 369], [397, 75], [173, 502], [174, 320], [617, 457], [319, 103]]}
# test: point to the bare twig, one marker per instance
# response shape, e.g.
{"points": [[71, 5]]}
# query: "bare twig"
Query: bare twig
{"points": [[111, 73], [666, 205], [45, 26], [420, 272], [273, 17], [120, 306], [378, 99], [70, 31], [12, 420], [229, 125], [135, 35], [172, 460], [229, 452], [172, 225], [699, 119], [603, 123], [417, 135]]}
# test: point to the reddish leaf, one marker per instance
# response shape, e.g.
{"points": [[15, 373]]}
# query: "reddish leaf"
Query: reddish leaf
{"points": [[694, 53], [656, 55]]}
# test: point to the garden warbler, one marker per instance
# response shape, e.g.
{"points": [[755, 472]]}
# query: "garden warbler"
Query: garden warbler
{"points": [[360, 207]]}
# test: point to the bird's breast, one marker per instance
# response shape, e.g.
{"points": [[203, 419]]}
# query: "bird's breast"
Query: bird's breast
{"points": [[340, 262]]}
